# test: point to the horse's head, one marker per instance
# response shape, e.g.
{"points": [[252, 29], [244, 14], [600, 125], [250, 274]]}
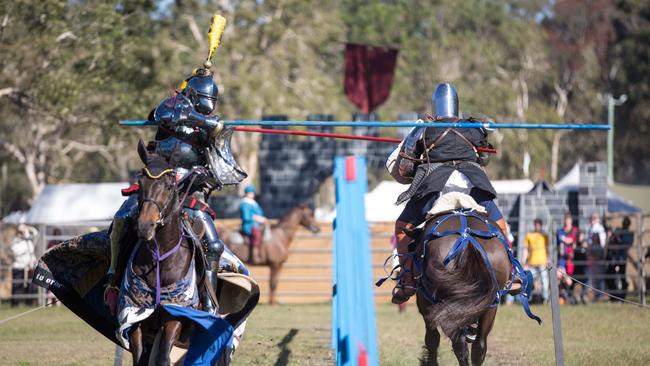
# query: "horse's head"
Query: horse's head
{"points": [[157, 193], [307, 219]]}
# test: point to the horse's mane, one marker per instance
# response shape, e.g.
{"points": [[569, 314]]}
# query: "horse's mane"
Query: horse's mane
{"points": [[285, 217]]}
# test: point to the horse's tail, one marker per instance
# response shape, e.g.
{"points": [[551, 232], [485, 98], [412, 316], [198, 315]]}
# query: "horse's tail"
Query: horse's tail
{"points": [[465, 290]]}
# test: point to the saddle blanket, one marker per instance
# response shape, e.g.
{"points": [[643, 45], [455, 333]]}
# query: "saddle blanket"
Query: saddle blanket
{"points": [[455, 201]]}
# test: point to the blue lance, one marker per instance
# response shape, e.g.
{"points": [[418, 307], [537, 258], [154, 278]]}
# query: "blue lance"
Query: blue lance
{"points": [[460, 124]]}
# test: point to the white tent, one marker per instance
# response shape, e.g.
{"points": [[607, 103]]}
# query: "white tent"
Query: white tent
{"points": [[72, 203], [570, 181], [380, 202]]}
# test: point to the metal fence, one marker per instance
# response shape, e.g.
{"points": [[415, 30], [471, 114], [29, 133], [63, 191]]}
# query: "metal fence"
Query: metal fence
{"points": [[617, 269], [620, 275], [18, 289]]}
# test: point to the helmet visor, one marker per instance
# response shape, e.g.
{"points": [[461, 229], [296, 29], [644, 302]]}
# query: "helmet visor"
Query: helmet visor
{"points": [[205, 104]]}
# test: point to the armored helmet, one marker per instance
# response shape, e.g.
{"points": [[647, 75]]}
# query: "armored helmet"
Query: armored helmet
{"points": [[203, 92], [444, 101]]}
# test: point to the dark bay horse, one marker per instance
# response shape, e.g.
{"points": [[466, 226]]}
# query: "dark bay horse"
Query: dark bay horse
{"points": [[163, 257], [275, 250], [464, 291]]}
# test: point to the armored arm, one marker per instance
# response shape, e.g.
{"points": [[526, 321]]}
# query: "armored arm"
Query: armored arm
{"points": [[410, 151], [178, 111], [479, 139]]}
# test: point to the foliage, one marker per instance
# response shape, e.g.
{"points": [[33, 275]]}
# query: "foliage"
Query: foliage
{"points": [[72, 69]]}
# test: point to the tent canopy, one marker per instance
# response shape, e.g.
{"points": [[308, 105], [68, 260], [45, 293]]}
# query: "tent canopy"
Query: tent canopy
{"points": [[71, 203]]}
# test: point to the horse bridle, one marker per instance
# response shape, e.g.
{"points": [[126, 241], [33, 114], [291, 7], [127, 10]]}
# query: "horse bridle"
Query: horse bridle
{"points": [[162, 219]]}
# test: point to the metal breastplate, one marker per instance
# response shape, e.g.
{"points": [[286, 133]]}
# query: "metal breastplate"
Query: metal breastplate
{"points": [[180, 153]]}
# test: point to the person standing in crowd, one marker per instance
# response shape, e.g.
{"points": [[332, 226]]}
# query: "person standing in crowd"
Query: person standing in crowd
{"points": [[580, 265], [536, 254], [617, 249], [596, 239], [24, 260], [567, 239]]}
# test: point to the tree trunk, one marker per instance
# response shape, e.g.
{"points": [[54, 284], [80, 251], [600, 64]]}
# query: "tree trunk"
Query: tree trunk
{"points": [[555, 153]]}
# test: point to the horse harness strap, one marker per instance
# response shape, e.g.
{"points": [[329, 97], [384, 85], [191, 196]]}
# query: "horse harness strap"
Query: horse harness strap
{"points": [[160, 258], [467, 236]]}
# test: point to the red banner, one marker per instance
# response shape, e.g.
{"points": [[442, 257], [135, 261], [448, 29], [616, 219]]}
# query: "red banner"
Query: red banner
{"points": [[369, 73]]}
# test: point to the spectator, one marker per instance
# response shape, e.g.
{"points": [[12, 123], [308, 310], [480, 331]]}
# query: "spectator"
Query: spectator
{"points": [[619, 244], [580, 265], [567, 239], [24, 260], [596, 238], [536, 254]]}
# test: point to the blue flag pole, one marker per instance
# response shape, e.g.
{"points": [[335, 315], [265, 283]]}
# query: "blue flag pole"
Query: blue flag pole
{"points": [[354, 333]]}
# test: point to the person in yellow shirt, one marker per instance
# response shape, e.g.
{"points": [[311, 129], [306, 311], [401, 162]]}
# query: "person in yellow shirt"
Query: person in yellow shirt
{"points": [[536, 254]]}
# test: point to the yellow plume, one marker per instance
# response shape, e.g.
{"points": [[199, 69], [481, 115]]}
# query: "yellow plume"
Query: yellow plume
{"points": [[214, 36]]}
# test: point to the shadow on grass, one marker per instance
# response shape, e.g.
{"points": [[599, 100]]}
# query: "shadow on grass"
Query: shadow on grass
{"points": [[285, 352]]}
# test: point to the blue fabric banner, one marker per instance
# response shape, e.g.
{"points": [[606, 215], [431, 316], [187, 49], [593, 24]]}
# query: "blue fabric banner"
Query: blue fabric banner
{"points": [[209, 339]]}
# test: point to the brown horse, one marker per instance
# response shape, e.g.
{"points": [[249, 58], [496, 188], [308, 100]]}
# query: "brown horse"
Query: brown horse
{"points": [[275, 250], [463, 293], [162, 245]]}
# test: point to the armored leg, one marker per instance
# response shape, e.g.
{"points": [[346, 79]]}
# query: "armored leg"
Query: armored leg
{"points": [[214, 248], [405, 287], [121, 222], [413, 215]]}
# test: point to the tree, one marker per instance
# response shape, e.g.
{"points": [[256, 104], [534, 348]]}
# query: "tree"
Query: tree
{"points": [[70, 70], [580, 36], [630, 58]]}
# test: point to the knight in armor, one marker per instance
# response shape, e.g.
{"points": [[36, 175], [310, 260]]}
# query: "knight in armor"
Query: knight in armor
{"points": [[185, 137], [252, 219], [435, 161]]}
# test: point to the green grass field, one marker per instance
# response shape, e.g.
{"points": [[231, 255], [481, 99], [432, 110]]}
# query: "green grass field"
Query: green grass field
{"points": [[300, 335]]}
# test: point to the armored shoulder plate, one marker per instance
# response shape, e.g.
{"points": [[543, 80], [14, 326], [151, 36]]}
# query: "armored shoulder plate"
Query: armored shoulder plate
{"points": [[173, 110]]}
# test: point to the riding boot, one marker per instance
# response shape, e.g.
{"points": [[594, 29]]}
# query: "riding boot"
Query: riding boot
{"points": [[405, 286], [117, 231], [208, 305], [213, 255]]}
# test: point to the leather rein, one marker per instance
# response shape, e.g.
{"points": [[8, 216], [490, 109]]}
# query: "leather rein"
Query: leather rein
{"points": [[162, 218], [155, 251]]}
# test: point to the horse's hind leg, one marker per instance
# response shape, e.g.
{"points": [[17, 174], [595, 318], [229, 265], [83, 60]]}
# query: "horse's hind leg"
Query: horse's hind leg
{"points": [[136, 346], [479, 347], [461, 350], [171, 332], [273, 282]]}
